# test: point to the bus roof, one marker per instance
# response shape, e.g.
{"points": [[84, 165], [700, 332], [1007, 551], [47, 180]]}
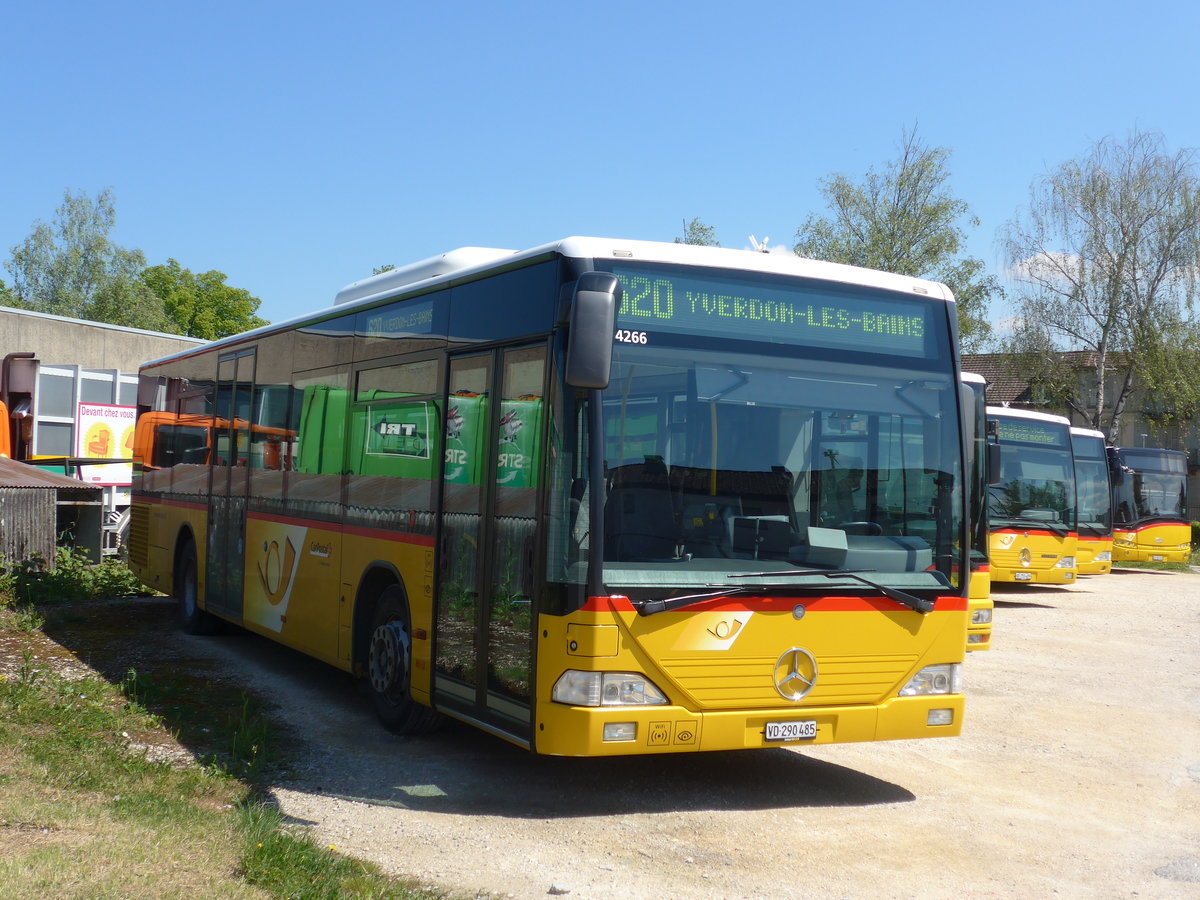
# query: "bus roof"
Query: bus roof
{"points": [[475, 260], [972, 378], [1147, 451], [469, 263], [1086, 432], [1028, 414]]}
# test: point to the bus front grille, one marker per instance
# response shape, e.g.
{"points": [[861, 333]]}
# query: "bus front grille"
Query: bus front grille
{"points": [[750, 681]]}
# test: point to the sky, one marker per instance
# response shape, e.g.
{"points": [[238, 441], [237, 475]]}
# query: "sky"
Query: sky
{"points": [[295, 147]]}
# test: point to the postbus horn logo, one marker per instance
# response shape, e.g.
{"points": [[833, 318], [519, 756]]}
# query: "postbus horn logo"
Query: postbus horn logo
{"points": [[276, 577]]}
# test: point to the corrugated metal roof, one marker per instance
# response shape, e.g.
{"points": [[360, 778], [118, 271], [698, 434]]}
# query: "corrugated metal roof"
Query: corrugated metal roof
{"points": [[14, 474]]}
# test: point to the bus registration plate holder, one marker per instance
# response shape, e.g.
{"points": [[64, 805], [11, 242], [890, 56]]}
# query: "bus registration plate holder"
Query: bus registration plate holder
{"points": [[1022, 576], [803, 730]]}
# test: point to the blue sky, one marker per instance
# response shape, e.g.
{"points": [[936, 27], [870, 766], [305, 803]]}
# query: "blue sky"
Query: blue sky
{"points": [[295, 147]]}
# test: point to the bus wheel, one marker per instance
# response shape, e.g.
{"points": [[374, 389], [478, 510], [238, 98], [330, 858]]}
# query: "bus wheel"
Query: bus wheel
{"points": [[389, 664], [193, 619]]}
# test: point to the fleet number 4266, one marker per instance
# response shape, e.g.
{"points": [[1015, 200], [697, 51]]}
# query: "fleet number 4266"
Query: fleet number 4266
{"points": [[626, 336]]}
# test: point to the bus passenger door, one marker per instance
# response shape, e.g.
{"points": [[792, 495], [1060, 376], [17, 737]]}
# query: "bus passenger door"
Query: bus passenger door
{"points": [[225, 560], [491, 485]]}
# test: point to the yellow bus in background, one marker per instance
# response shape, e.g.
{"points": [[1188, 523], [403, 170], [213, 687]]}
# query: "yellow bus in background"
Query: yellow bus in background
{"points": [[1093, 502], [599, 497], [979, 631], [1149, 500], [1031, 509]]}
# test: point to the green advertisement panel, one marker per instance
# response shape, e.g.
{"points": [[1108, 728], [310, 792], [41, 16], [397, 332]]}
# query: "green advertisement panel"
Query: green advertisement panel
{"points": [[465, 417], [519, 450], [396, 438]]}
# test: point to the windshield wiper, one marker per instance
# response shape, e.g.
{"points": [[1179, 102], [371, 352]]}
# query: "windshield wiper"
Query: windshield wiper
{"points": [[650, 607], [1046, 524], [913, 602]]}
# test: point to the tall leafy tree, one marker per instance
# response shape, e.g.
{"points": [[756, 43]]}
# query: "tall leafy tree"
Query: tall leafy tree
{"points": [[202, 305], [1107, 262], [697, 232], [905, 219], [70, 267]]}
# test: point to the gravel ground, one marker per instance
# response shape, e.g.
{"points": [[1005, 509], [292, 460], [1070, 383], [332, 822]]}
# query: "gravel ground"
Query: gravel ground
{"points": [[1077, 775]]}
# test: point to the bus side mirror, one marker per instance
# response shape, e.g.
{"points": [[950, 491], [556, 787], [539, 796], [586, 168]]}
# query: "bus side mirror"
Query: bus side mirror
{"points": [[593, 319], [993, 463]]}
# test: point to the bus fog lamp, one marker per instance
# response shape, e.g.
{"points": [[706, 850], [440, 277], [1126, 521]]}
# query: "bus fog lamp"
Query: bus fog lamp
{"points": [[981, 617], [943, 679], [620, 731], [940, 717], [976, 638], [576, 688], [1067, 562]]}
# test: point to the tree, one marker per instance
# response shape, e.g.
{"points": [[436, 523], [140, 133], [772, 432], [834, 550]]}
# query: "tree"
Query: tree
{"points": [[905, 220], [203, 305], [70, 268], [696, 232], [1107, 259]]}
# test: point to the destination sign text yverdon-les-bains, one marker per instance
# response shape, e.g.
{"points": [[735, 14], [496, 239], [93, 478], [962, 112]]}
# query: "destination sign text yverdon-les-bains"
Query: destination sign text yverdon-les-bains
{"points": [[655, 301]]}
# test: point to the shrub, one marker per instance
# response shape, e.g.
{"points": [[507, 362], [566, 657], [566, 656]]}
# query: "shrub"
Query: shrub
{"points": [[74, 577]]}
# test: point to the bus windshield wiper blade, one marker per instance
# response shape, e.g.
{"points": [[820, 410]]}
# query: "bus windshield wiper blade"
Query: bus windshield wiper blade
{"points": [[913, 602], [650, 607], [1057, 527]]}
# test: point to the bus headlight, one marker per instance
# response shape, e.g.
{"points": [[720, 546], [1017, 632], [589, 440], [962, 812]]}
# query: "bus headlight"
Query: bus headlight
{"points": [[1067, 562], [981, 617], [944, 679], [576, 688]]}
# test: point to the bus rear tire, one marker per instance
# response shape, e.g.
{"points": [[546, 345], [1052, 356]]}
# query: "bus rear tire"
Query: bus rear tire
{"points": [[192, 618], [389, 667]]}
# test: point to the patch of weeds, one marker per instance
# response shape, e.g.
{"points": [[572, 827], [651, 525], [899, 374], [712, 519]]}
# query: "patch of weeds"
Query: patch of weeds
{"points": [[1155, 566], [289, 863], [72, 577], [228, 728]]}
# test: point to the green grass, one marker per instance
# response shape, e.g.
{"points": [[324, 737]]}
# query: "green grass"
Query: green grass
{"points": [[99, 800], [1160, 566]]}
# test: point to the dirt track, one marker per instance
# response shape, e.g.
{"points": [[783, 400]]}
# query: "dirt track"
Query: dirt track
{"points": [[1078, 773]]}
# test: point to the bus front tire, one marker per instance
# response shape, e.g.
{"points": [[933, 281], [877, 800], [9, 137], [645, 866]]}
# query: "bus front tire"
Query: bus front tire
{"points": [[192, 618], [389, 668]]}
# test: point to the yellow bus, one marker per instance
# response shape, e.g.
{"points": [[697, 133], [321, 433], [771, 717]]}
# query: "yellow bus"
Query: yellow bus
{"points": [[979, 631], [1031, 509], [1093, 502], [598, 497], [1149, 499]]}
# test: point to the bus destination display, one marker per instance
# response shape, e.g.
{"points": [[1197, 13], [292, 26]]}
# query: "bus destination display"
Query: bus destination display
{"points": [[1027, 431], [757, 310]]}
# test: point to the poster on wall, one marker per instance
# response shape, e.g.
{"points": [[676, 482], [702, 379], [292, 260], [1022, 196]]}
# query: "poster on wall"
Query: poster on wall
{"points": [[105, 431]]}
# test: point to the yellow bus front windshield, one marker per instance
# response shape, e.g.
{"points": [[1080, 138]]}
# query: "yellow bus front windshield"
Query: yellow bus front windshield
{"points": [[1036, 489], [1153, 487], [723, 466]]}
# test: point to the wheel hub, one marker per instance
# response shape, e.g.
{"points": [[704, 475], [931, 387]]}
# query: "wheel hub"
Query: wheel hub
{"points": [[389, 658]]}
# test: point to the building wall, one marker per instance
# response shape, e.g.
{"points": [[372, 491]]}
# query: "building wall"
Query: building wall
{"points": [[94, 345]]}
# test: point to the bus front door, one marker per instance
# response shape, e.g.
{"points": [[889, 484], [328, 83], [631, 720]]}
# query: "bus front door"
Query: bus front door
{"points": [[487, 568], [225, 560]]}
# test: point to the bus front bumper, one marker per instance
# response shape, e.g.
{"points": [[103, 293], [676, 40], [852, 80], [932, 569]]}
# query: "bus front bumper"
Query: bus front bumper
{"points": [[619, 731]]}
